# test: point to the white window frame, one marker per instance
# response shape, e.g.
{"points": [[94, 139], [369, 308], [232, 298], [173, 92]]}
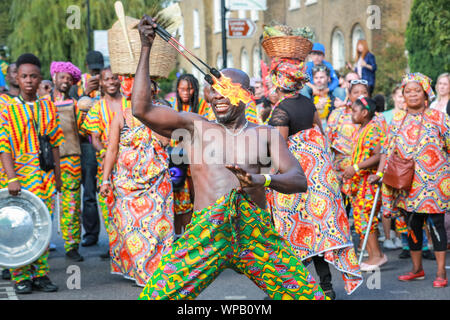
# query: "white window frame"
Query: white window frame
{"points": [[217, 16], [256, 54], [294, 4], [246, 57], [254, 15], [356, 28], [338, 61], [196, 29], [310, 2]]}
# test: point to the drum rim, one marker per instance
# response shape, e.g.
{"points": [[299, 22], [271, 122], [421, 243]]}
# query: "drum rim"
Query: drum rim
{"points": [[27, 194]]}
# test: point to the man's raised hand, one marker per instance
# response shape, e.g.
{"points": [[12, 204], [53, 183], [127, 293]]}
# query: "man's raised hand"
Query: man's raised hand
{"points": [[146, 29]]}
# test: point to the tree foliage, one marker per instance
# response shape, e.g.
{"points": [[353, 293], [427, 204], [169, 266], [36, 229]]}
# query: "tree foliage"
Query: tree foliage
{"points": [[41, 27], [428, 37], [392, 63]]}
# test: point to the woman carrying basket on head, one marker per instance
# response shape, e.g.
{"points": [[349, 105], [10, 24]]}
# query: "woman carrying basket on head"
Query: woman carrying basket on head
{"points": [[423, 135]]}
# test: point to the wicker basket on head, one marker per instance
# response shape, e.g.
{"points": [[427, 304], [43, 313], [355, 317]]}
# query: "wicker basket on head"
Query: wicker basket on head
{"points": [[162, 57], [294, 47]]}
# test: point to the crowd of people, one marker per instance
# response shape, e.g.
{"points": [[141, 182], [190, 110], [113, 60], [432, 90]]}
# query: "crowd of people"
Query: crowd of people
{"points": [[173, 225]]}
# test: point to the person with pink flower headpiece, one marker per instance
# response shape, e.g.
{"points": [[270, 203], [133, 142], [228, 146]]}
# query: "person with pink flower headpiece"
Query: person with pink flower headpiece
{"points": [[64, 75]]}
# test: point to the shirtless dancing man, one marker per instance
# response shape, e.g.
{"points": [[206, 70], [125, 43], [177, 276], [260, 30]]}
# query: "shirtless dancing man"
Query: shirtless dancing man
{"points": [[229, 228]]}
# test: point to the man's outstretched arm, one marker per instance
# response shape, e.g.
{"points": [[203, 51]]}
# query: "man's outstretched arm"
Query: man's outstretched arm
{"points": [[161, 119]]}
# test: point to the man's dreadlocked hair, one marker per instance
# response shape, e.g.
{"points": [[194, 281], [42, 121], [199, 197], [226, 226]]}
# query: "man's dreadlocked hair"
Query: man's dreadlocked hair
{"points": [[193, 82]]}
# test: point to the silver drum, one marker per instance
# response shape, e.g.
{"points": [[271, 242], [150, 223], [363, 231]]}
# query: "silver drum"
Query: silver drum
{"points": [[25, 228]]}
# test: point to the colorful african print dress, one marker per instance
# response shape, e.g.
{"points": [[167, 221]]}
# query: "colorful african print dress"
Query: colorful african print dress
{"points": [[142, 216], [98, 120], [340, 132], [430, 191], [232, 233], [315, 222], [19, 137], [359, 190]]}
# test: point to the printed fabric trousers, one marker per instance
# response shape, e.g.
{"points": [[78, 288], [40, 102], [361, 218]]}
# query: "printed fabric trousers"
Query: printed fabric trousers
{"points": [[232, 233], [37, 268], [70, 202]]}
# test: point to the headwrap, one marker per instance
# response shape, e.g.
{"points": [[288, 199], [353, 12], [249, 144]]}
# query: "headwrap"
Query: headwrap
{"points": [[421, 79], [61, 66], [288, 74]]}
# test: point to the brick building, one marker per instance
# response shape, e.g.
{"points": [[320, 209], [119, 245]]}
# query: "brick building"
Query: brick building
{"points": [[338, 24]]}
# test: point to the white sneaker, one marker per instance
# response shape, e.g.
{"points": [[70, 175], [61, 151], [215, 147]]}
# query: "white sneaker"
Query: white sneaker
{"points": [[389, 244], [398, 243], [381, 238]]}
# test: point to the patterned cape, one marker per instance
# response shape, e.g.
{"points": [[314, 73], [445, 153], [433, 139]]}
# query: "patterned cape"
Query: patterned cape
{"points": [[315, 222]]}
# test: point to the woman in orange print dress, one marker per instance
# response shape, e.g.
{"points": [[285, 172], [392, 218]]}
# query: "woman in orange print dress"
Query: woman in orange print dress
{"points": [[141, 222], [422, 134]]}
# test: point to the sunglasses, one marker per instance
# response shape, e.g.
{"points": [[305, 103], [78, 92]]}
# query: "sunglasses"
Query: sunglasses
{"points": [[320, 68], [353, 82]]}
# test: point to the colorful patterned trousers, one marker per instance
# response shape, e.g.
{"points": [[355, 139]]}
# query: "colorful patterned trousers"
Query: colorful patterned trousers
{"points": [[38, 268], [70, 202], [232, 233]]}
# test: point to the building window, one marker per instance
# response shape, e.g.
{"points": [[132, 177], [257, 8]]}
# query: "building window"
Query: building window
{"points": [[245, 63], [217, 16], [310, 2], [338, 49], [256, 62], [199, 77], [254, 15], [230, 62], [294, 4], [180, 33], [357, 34], [196, 24], [219, 61]]}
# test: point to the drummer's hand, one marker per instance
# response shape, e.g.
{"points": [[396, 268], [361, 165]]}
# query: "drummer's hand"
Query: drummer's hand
{"points": [[146, 29], [14, 188], [105, 190], [247, 180], [373, 178]]}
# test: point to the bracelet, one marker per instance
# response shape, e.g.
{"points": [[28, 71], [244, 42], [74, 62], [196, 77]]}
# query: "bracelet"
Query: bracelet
{"points": [[106, 182], [380, 174], [102, 151], [268, 180], [13, 180], [355, 166]]}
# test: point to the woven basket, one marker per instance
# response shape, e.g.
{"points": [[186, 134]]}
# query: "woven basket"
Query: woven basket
{"points": [[294, 47], [162, 56]]}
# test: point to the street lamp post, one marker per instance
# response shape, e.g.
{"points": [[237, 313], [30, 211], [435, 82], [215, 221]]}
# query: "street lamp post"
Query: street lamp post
{"points": [[224, 34]]}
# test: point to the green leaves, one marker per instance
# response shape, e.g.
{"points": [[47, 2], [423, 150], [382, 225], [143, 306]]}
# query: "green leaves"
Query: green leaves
{"points": [[427, 37], [45, 28]]}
